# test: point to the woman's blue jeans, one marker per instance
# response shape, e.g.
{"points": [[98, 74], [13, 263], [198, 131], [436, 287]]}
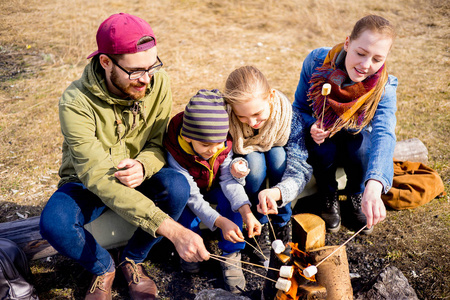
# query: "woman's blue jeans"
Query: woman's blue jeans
{"points": [[271, 165], [73, 205], [215, 196], [345, 150]]}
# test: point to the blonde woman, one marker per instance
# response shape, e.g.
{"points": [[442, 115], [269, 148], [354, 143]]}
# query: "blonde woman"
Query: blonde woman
{"points": [[354, 125]]}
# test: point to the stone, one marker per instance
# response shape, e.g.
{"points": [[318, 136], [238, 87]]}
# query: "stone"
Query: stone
{"points": [[389, 284], [218, 294]]}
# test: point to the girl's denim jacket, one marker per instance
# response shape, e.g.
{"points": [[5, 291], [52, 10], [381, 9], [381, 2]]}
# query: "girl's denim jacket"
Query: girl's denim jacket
{"points": [[381, 128]]}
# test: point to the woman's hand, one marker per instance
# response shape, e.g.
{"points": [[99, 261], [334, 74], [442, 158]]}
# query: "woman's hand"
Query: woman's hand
{"points": [[318, 135], [371, 204], [239, 169], [268, 201]]}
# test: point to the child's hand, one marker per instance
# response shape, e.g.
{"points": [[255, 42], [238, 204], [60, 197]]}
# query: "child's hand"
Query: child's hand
{"points": [[267, 201], [239, 169], [253, 225], [230, 231]]}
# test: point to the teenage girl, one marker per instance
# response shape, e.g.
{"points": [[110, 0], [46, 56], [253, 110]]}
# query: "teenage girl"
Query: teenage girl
{"points": [[260, 125], [354, 125]]}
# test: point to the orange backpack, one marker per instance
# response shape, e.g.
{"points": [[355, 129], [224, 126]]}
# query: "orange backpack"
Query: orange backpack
{"points": [[414, 185]]}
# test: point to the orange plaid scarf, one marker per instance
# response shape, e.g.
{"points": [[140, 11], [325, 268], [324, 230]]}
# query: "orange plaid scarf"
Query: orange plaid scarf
{"points": [[347, 106]]}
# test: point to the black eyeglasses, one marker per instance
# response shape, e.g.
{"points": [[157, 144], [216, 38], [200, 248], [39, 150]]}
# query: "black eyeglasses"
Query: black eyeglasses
{"points": [[133, 75]]}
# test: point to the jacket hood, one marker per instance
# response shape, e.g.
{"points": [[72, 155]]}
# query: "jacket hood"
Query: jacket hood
{"points": [[93, 79]]}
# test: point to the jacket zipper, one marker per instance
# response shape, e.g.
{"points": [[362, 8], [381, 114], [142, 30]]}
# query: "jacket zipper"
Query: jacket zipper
{"points": [[211, 169]]}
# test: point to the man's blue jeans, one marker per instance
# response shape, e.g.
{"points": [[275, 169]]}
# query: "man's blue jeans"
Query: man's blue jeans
{"points": [[271, 165], [215, 196], [345, 150], [72, 206]]}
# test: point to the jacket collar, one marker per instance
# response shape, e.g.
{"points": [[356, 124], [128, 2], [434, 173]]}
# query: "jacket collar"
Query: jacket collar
{"points": [[189, 150]]}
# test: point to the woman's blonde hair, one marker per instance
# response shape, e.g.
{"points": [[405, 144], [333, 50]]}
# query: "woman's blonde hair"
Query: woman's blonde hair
{"points": [[244, 84], [374, 23]]}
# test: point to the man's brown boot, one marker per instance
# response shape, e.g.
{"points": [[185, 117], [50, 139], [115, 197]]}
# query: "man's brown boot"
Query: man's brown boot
{"points": [[140, 285], [100, 288]]}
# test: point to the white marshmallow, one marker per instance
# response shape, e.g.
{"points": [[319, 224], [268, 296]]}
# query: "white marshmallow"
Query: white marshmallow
{"points": [[286, 271], [310, 271], [326, 89], [283, 284], [266, 264], [278, 246], [242, 167]]}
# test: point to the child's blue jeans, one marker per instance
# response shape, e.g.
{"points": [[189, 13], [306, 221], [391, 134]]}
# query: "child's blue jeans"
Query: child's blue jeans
{"points": [[271, 165], [215, 196]]}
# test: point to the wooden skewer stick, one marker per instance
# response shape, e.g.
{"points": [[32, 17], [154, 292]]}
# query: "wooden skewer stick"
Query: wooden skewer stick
{"points": [[323, 112], [254, 273], [244, 262], [260, 251], [273, 231], [335, 250]]}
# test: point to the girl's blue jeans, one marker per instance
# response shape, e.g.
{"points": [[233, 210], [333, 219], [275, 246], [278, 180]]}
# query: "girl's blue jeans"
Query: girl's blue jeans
{"points": [[345, 150], [73, 205], [270, 165], [215, 196]]}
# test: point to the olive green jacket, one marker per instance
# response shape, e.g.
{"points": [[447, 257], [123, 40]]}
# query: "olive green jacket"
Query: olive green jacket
{"points": [[92, 148]]}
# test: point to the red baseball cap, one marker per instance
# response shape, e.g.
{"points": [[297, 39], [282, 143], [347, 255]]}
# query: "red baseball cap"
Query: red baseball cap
{"points": [[120, 33]]}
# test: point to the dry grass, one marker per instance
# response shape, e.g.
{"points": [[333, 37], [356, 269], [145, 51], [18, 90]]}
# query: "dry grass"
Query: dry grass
{"points": [[201, 42]]}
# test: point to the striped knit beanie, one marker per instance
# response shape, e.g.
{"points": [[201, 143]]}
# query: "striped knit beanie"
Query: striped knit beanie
{"points": [[205, 118]]}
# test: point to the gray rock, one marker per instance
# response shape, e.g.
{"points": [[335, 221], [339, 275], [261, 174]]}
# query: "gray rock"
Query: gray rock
{"points": [[390, 284], [218, 294]]}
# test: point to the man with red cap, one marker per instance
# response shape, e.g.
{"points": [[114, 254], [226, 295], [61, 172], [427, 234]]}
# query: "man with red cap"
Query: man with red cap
{"points": [[113, 120]]}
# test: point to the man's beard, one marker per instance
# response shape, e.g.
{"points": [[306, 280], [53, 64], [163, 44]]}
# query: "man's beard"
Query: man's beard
{"points": [[127, 89]]}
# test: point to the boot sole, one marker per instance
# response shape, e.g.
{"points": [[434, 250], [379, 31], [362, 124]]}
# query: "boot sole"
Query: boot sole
{"points": [[367, 231], [335, 229]]}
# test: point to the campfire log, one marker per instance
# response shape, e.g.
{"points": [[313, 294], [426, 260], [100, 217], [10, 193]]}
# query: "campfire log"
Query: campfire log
{"points": [[308, 230], [311, 291], [333, 273]]}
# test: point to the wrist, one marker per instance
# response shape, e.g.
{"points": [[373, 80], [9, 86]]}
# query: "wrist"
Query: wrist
{"points": [[219, 222], [245, 212], [142, 166], [170, 229], [374, 186], [276, 195]]}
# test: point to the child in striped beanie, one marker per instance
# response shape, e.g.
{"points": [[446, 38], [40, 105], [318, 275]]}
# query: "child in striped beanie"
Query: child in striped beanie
{"points": [[199, 147]]}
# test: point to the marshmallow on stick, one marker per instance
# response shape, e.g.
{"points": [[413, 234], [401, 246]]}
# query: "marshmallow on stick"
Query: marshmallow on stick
{"points": [[310, 271], [283, 284], [242, 167], [278, 246], [287, 271], [266, 264], [326, 89]]}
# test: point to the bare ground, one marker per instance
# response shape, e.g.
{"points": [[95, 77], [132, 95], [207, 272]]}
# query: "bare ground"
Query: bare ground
{"points": [[367, 256]]}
